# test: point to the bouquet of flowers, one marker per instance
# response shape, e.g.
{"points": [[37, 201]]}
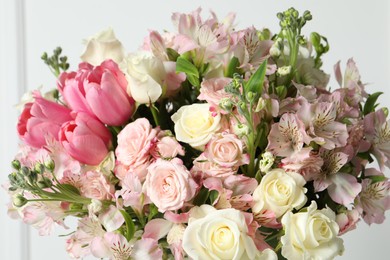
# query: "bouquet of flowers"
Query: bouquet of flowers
{"points": [[207, 143]]}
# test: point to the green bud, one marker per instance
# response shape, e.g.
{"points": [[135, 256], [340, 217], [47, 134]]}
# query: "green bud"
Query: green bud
{"points": [[250, 96], [44, 56], [44, 183], [16, 165], [57, 51], [283, 71], [242, 105], [25, 171], [226, 104], [307, 15], [19, 201], [261, 104], [50, 165], [386, 111], [295, 13], [39, 168], [241, 130]]}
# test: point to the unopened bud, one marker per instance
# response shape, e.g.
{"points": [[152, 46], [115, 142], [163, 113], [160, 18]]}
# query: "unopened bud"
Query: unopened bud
{"points": [[274, 50], [241, 130], [267, 162], [261, 104], [385, 110], [285, 70], [16, 165], [250, 96], [50, 165], [39, 168], [226, 104], [19, 201]]}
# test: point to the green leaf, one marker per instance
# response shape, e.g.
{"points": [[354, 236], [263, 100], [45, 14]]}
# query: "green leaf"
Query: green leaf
{"points": [[366, 156], [281, 91], [213, 196], [255, 83], [370, 103], [377, 178], [193, 80], [153, 211], [183, 65], [232, 67], [68, 188], [202, 196], [130, 228]]}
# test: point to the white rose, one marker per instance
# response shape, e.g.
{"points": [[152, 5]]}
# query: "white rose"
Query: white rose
{"points": [[220, 234], [104, 45], [279, 192], [145, 74], [195, 125], [311, 234]]}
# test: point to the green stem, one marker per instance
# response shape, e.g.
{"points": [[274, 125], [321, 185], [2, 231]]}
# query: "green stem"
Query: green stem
{"points": [[155, 114]]}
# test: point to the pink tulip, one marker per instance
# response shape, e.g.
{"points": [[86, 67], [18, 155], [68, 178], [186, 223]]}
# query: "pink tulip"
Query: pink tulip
{"points": [[85, 139], [99, 91], [41, 119]]}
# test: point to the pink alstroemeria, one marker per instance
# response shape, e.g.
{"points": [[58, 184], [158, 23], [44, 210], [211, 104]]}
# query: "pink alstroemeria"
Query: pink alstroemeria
{"points": [[377, 133], [343, 188], [355, 88], [374, 199], [288, 136], [131, 193], [99, 91], [206, 37], [79, 244], [250, 50], [321, 125], [41, 119], [213, 91], [112, 245]]}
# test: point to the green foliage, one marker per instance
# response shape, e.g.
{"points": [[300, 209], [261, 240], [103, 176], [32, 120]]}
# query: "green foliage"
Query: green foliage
{"points": [[56, 62], [371, 103]]}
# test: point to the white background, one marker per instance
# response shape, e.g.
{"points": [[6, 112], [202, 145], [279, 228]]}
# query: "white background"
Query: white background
{"points": [[355, 28]]}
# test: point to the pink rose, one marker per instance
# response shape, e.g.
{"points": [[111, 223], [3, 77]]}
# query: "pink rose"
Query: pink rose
{"points": [[169, 184], [41, 119], [99, 91], [95, 186], [166, 147], [134, 144], [226, 150], [213, 90], [85, 139], [210, 169]]}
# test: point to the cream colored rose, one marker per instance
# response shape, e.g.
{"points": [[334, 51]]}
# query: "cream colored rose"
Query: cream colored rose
{"points": [[311, 234], [279, 192], [195, 125], [220, 234], [104, 45], [145, 74]]}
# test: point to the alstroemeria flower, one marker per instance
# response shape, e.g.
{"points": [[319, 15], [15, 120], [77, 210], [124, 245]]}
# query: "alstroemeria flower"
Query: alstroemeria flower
{"points": [[374, 199], [288, 136], [377, 132], [342, 187], [321, 125]]}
